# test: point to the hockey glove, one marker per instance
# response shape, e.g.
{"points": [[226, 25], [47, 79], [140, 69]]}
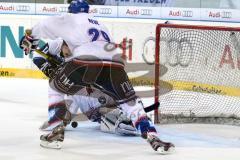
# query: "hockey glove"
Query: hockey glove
{"points": [[28, 43]]}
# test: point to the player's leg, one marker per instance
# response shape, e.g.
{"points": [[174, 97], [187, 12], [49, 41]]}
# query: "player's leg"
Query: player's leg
{"points": [[88, 106], [56, 105], [118, 84], [60, 116], [102, 109], [99, 108], [113, 81], [134, 110]]}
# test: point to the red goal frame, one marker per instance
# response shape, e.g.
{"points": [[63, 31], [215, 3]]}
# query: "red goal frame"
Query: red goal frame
{"points": [[157, 52]]}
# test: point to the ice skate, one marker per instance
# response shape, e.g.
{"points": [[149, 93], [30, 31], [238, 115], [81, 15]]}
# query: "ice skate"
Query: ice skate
{"points": [[160, 146], [54, 139]]}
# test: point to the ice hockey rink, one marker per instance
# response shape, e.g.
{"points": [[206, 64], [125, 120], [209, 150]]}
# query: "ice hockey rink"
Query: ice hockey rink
{"points": [[24, 107]]}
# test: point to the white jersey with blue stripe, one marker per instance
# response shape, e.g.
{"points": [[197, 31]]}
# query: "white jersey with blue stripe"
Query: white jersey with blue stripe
{"points": [[84, 35]]}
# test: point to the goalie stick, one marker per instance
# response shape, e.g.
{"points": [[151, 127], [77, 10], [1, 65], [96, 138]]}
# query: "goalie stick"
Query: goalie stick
{"points": [[152, 107]]}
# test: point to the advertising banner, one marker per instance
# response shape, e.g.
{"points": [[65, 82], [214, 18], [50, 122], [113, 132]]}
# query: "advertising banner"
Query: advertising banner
{"points": [[220, 14], [138, 12], [51, 8], [17, 8], [181, 13], [145, 12], [104, 11]]}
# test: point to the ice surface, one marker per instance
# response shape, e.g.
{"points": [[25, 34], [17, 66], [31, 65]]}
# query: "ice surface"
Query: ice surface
{"points": [[23, 104]]}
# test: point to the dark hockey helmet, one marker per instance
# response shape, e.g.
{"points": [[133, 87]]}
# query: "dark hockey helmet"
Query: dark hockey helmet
{"points": [[78, 6]]}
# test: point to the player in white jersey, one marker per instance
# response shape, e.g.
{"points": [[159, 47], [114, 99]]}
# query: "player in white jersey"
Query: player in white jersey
{"points": [[97, 110], [91, 65]]}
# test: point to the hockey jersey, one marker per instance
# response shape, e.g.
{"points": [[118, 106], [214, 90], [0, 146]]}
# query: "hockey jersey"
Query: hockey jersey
{"points": [[85, 36]]}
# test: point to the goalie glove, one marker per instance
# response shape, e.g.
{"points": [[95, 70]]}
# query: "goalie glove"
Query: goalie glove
{"points": [[28, 43], [124, 126]]}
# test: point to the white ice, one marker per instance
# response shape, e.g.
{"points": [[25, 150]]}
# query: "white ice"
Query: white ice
{"points": [[23, 104]]}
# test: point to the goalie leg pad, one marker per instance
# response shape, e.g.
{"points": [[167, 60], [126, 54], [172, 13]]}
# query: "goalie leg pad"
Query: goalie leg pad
{"points": [[116, 122]]}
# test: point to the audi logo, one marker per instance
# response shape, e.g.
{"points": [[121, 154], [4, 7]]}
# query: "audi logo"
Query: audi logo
{"points": [[23, 8], [63, 9], [174, 53], [105, 11], [187, 14], [146, 12], [226, 14]]}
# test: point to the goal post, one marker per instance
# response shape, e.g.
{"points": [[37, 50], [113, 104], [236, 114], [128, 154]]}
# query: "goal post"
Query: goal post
{"points": [[203, 67]]}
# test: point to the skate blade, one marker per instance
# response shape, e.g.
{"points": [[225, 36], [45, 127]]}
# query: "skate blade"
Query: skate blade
{"points": [[51, 145], [161, 150]]}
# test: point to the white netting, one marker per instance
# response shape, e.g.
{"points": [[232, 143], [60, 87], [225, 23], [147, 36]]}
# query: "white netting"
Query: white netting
{"points": [[204, 69]]}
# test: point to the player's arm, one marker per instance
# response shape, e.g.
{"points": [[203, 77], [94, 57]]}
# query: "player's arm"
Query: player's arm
{"points": [[49, 28], [47, 65], [42, 62]]}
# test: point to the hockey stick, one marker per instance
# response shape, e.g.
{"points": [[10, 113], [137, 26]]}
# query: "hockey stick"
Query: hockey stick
{"points": [[50, 58], [150, 108]]}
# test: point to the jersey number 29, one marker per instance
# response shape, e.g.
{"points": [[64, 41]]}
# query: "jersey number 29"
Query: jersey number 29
{"points": [[95, 34]]}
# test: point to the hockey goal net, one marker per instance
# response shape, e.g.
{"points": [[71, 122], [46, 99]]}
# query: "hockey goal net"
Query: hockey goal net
{"points": [[202, 64]]}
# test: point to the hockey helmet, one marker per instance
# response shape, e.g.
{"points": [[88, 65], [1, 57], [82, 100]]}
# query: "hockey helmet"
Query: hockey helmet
{"points": [[55, 46], [78, 6]]}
